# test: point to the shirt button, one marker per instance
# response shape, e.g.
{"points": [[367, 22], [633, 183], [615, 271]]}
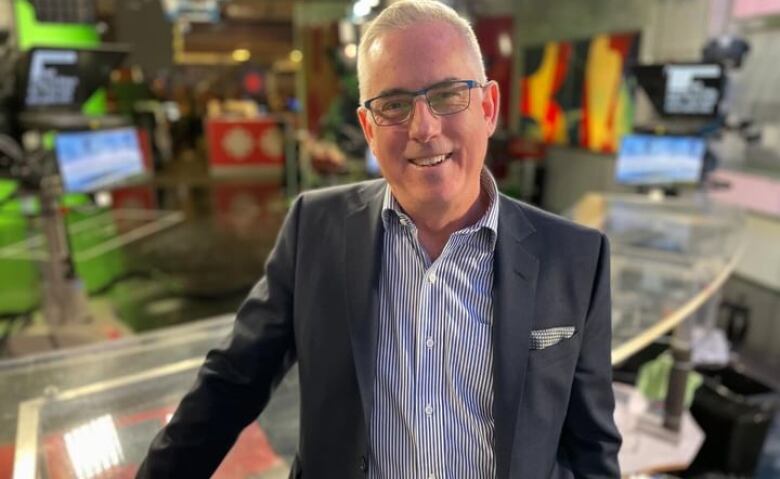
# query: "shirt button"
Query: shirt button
{"points": [[429, 343], [432, 278], [428, 409]]}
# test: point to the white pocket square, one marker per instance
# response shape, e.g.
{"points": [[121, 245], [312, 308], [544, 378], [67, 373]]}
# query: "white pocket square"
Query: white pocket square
{"points": [[544, 338]]}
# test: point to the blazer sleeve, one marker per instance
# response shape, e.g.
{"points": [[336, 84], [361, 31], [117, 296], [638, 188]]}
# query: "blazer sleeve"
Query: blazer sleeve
{"points": [[590, 439], [235, 382]]}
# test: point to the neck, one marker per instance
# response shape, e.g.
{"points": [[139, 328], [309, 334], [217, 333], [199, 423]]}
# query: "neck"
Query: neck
{"points": [[435, 223]]}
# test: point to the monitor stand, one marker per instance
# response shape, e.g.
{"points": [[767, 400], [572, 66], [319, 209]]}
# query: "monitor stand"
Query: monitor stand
{"points": [[658, 193], [64, 298], [66, 310]]}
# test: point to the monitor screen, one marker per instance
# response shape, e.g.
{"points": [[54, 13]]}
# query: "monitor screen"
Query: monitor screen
{"points": [[66, 77], [683, 89], [95, 160], [659, 160]]}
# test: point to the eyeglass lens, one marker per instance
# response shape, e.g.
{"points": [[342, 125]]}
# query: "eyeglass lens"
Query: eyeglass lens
{"points": [[443, 100]]}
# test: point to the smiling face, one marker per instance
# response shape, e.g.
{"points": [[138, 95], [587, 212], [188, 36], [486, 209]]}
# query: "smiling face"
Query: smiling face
{"points": [[429, 161]]}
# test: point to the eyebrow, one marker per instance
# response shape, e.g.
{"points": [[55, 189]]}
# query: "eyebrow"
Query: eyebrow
{"points": [[395, 91]]}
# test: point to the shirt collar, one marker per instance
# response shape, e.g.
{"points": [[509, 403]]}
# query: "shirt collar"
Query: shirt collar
{"points": [[489, 220]]}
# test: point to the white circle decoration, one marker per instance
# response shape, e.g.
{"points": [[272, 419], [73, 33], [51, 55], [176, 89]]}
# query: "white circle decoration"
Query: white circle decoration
{"points": [[238, 143], [271, 143]]}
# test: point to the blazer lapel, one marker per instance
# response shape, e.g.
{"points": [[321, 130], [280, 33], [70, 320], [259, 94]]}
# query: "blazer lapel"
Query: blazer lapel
{"points": [[515, 274], [361, 257]]}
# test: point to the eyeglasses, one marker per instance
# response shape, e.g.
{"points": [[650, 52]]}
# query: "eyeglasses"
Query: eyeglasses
{"points": [[443, 99]]}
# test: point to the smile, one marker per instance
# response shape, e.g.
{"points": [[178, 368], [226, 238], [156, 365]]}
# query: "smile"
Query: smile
{"points": [[430, 161]]}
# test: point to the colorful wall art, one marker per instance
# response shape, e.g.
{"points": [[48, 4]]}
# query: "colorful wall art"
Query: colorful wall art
{"points": [[578, 93]]}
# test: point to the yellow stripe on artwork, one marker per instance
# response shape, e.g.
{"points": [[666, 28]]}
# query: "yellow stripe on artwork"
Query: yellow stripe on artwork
{"points": [[540, 85], [602, 81]]}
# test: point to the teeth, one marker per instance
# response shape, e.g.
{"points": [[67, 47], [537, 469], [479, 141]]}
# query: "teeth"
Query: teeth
{"points": [[430, 161]]}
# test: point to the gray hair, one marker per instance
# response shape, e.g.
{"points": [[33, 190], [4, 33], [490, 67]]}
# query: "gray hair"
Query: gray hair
{"points": [[406, 13]]}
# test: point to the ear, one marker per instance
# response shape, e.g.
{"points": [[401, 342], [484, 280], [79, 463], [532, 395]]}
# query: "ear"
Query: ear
{"points": [[491, 99], [366, 124]]}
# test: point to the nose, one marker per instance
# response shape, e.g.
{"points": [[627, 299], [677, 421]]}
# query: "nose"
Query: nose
{"points": [[424, 125]]}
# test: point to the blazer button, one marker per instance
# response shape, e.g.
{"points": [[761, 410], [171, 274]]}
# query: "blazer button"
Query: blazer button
{"points": [[363, 464]]}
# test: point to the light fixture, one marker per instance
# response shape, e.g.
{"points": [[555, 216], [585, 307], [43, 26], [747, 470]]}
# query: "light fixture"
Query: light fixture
{"points": [[361, 9], [504, 44], [350, 51], [241, 55], [346, 32], [296, 56]]}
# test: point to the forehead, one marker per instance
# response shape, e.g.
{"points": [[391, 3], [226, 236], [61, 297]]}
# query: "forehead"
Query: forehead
{"points": [[416, 57]]}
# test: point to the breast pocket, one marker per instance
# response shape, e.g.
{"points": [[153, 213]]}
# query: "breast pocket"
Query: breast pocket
{"points": [[563, 349]]}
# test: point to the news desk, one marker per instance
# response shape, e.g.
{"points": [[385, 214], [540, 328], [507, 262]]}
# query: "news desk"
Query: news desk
{"points": [[78, 412]]}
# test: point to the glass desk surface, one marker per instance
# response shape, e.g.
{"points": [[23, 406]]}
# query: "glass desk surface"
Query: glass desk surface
{"points": [[668, 259], [37, 376], [91, 412]]}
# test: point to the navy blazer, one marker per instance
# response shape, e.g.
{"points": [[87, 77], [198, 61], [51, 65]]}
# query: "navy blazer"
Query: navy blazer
{"points": [[317, 305]]}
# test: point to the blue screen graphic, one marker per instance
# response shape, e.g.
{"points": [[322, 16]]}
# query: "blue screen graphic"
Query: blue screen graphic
{"points": [[372, 165], [95, 160], [659, 160]]}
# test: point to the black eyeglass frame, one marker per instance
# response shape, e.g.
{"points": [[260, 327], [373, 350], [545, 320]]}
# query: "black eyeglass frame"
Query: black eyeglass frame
{"points": [[471, 84]]}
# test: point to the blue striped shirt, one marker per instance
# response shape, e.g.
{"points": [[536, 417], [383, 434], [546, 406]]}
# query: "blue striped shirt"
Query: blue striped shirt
{"points": [[433, 395]]}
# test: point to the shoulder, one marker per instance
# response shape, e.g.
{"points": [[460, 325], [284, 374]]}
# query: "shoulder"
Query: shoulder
{"points": [[327, 207], [551, 230], [353, 195]]}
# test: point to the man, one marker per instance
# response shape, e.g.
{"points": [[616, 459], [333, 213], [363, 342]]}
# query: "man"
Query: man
{"points": [[441, 330]]}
